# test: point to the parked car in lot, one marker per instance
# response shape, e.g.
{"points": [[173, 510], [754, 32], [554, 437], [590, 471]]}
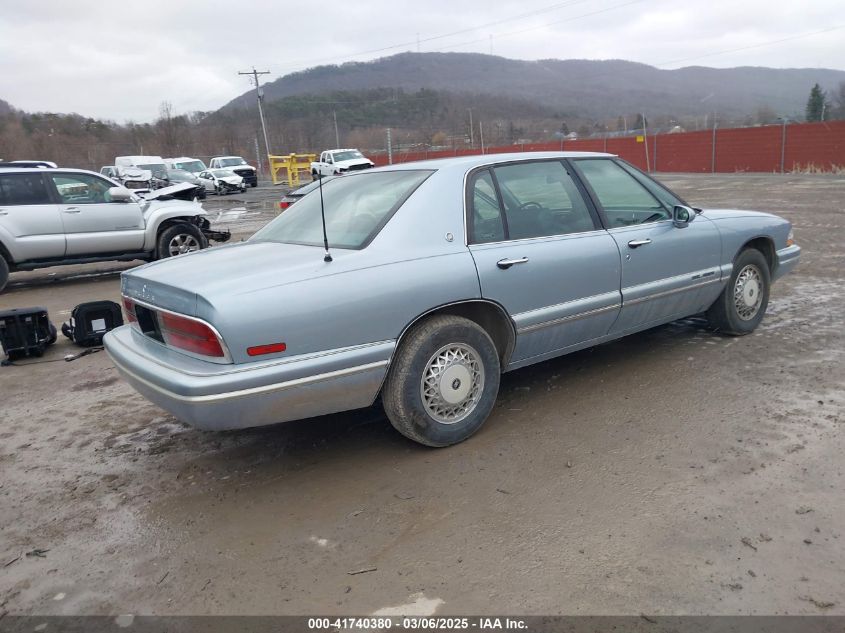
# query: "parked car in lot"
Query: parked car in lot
{"points": [[237, 165], [334, 162], [50, 217], [443, 274], [221, 181], [132, 168], [181, 175], [44, 164], [292, 196]]}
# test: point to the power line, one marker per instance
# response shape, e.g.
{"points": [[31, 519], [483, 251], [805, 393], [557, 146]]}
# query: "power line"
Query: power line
{"points": [[418, 41]]}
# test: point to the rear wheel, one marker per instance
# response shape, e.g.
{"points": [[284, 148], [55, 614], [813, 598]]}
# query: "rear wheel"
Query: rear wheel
{"points": [[742, 304], [4, 273], [443, 381], [180, 239]]}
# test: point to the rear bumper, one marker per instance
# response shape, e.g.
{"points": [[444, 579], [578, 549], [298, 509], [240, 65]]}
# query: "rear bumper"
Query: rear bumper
{"points": [[787, 260], [220, 397]]}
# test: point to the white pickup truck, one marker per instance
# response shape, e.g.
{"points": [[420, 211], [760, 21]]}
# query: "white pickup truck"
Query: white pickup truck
{"points": [[237, 165], [334, 162]]}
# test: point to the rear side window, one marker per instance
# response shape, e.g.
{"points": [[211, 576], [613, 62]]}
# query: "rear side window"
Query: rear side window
{"points": [[23, 189], [541, 199], [356, 207]]}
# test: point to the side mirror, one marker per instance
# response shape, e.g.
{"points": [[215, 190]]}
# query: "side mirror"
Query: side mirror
{"points": [[682, 216], [119, 194]]}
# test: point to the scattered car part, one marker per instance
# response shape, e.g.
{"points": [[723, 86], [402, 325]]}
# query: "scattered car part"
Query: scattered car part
{"points": [[26, 332], [90, 321]]}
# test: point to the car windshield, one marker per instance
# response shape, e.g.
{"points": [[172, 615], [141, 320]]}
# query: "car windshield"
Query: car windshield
{"points": [[311, 186], [356, 208], [179, 175], [350, 155], [232, 162], [223, 173], [158, 169], [193, 166]]}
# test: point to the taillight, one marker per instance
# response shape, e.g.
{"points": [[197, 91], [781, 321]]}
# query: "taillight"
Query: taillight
{"points": [[284, 204], [189, 335], [129, 309]]}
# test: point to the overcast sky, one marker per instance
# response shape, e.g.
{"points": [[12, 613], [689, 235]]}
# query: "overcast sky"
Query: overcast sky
{"points": [[119, 61]]}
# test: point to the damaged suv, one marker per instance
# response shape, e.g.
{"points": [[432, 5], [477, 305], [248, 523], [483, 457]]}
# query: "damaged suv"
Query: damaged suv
{"points": [[51, 217]]}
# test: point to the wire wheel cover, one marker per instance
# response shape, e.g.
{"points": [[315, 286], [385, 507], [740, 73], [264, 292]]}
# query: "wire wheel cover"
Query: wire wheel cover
{"points": [[452, 383], [748, 292]]}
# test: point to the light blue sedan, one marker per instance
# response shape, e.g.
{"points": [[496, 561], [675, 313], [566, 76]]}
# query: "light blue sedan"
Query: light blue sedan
{"points": [[441, 276]]}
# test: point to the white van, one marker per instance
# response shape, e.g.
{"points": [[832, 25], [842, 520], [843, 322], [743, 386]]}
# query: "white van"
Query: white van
{"points": [[152, 164]]}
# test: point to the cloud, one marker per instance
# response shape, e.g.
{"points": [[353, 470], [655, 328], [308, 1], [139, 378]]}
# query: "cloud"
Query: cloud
{"points": [[121, 61]]}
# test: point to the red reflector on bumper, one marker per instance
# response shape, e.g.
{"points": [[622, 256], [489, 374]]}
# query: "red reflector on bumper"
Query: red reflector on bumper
{"points": [[272, 348]]}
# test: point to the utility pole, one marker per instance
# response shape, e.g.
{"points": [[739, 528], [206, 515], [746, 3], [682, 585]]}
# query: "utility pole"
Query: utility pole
{"points": [[471, 133], [645, 142], [336, 135], [481, 135], [260, 95], [389, 148]]}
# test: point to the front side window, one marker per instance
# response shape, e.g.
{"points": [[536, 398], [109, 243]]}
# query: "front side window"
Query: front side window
{"points": [[541, 199], [22, 189], [356, 209], [81, 188], [625, 200]]}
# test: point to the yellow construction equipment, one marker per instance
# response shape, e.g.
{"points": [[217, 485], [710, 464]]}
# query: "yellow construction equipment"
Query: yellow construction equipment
{"points": [[288, 169]]}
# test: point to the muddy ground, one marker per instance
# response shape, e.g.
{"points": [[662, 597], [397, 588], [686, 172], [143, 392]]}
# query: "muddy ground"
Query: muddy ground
{"points": [[673, 472]]}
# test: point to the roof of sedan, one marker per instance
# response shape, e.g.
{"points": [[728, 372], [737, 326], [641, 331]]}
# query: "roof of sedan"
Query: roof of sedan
{"points": [[477, 160]]}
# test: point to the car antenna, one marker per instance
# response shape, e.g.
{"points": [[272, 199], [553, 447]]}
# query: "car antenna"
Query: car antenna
{"points": [[328, 256]]}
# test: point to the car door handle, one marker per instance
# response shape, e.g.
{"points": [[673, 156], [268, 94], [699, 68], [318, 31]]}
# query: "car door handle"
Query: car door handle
{"points": [[638, 243], [73, 210], [507, 263], [4, 212]]}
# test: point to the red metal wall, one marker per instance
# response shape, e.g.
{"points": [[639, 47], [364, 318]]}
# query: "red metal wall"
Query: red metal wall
{"points": [[757, 149]]}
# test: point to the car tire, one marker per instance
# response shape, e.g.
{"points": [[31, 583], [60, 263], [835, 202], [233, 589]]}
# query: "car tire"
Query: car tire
{"points": [[255, 184], [4, 273], [742, 304], [179, 239], [443, 381], [315, 175]]}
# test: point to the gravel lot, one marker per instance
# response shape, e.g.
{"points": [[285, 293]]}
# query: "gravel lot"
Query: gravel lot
{"points": [[673, 472]]}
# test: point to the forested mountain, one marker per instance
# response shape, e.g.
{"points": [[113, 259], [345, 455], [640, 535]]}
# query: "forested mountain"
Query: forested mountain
{"points": [[600, 89]]}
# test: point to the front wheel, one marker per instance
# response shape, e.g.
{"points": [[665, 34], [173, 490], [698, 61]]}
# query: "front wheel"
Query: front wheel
{"points": [[443, 382], [180, 239], [742, 304]]}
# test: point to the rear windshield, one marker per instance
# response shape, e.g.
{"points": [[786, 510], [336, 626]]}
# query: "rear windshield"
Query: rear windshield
{"points": [[356, 206]]}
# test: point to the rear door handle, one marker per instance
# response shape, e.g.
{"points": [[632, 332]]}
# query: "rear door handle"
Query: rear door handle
{"points": [[507, 263], [4, 212], [72, 210], [638, 243]]}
